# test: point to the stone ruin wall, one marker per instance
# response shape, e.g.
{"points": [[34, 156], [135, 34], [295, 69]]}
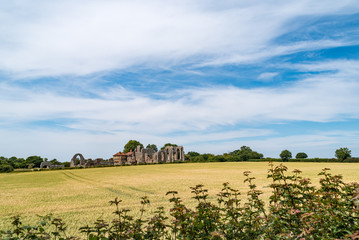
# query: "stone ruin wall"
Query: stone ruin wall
{"points": [[147, 155], [49, 165], [140, 155], [88, 162]]}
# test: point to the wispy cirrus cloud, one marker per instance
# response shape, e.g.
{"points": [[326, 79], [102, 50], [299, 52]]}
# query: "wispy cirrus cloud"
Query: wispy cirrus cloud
{"points": [[85, 75], [84, 37], [317, 98], [267, 76]]}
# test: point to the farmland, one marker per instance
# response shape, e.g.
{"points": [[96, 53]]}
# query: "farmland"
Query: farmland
{"points": [[80, 196]]}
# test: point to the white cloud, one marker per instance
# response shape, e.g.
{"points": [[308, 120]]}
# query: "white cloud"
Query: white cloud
{"points": [[46, 38], [81, 37], [199, 109], [319, 98], [252, 55], [346, 68], [267, 76]]}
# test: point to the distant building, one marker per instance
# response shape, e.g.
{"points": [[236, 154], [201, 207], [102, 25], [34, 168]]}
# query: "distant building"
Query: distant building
{"points": [[119, 158]]}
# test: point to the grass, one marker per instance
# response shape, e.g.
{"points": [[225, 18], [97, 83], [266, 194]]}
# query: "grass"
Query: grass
{"points": [[80, 196]]}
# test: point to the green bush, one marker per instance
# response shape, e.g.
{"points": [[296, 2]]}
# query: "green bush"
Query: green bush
{"points": [[301, 155], [343, 153], [296, 210], [6, 168], [285, 155], [18, 170], [304, 160], [351, 160]]}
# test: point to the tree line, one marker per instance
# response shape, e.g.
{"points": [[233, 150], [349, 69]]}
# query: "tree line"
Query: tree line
{"points": [[245, 153], [9, 164]]}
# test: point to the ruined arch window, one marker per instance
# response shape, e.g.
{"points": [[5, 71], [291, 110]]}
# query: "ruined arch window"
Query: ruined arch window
{"points": [[178, 154]]}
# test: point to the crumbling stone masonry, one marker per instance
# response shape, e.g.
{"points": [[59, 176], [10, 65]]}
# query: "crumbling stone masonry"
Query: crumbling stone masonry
{"points": [[82, 162], [140, 155], [49, 165], [147, 155]]}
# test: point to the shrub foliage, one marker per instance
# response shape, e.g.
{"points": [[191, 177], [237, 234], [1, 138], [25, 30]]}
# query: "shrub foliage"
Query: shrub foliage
{"points": [[343, 153], [6, 168], [296, 210], [301, 155], [285, 155]]}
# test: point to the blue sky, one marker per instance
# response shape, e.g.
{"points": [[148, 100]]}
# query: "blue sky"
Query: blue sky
{"points": [[87, 76]]}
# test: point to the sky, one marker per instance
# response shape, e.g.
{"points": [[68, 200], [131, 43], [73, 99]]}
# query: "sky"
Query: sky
{"points": [[88, 76]]}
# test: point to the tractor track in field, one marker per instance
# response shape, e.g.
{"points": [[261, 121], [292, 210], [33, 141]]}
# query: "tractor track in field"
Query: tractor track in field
{"points": [[140, 190], [85, 180], [92, 182], [77, 178]]}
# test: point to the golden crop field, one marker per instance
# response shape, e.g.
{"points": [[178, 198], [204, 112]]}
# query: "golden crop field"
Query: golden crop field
{"points": [[80, 196]]}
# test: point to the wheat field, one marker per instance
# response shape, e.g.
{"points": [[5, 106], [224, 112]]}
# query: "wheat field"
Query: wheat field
{"points": [[80, 196]]}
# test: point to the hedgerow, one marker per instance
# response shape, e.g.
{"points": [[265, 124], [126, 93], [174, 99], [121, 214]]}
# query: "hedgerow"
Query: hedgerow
{"points": [[331, 160], [6, 168], [296, 210]]}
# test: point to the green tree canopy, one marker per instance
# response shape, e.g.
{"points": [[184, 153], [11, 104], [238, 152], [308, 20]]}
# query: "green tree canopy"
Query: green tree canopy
{"points": [[168, 144], [55, 162], [285, 155], [152, 146], [131, 145], [18, 162], [301, 155], [245, 153], [343, 153], [36, 160], [193, 154], [6, 168], [198, 158]]}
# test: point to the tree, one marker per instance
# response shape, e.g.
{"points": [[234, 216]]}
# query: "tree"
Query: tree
{"points": [[199, 158], [18, 162], [255, 155], [153, 147], [55, 162], [193, 154], [168, 144], [285, 155], [131, 145], [36, 160], [4, 160], [301, 155], [208, 157], [6, 168], [66, 164], [343, 153], [219, 158], [244, 154]]}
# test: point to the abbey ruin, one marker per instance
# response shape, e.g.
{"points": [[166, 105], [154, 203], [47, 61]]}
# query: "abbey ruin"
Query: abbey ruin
{"points": [[148, 155], [79, 161], [138, 156]]}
